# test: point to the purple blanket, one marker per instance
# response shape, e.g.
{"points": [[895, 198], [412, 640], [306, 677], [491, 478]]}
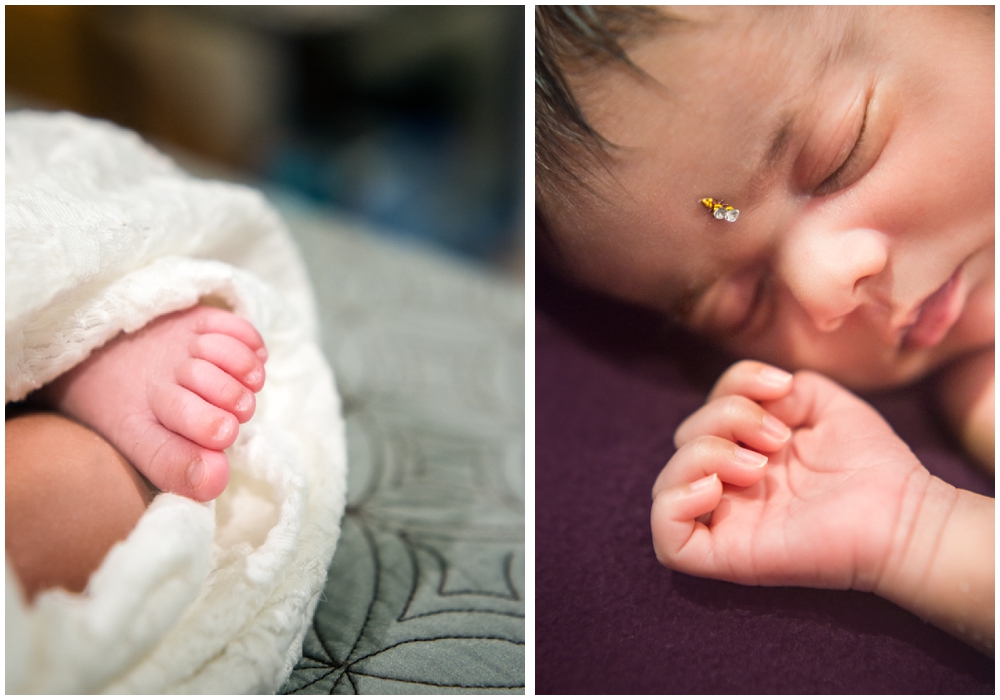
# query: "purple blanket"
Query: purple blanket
{"points": [[611, 387]]}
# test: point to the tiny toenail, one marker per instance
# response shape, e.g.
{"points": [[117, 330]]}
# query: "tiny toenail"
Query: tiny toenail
{"points": [[245, 401], [196, 473], [223, 430], [262, 354], [253, 377]]}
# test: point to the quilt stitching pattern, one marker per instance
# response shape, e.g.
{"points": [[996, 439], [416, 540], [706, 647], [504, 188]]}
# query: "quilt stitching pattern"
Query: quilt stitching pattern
{"points": [[425, 593]]}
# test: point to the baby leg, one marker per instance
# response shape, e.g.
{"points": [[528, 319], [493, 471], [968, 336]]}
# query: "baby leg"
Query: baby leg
{"points": [[170, 397], [69, 497]]}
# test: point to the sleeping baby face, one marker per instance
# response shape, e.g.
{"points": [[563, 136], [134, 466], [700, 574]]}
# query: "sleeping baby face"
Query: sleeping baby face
{"points": [[857, 145]]}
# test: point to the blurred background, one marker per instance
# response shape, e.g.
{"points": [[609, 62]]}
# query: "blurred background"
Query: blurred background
{"points": [[411, 118]]}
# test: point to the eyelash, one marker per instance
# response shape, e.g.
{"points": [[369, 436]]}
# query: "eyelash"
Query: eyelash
{"points": [[840, 177]]}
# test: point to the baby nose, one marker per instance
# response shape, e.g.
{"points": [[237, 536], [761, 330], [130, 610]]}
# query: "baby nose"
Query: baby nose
{"points": [[827, 272]]}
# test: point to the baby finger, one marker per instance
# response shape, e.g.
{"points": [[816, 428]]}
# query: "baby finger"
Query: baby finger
{"points": [[708, 455], [677, 534], [738, 419], [755, 380]]}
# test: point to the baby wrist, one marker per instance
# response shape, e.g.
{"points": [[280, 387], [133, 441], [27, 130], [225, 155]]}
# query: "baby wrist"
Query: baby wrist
{"points": [[924, 513], [945, 572]]}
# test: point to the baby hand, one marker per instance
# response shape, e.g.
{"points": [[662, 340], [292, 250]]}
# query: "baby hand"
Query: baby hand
{"points": [[782, 480]]}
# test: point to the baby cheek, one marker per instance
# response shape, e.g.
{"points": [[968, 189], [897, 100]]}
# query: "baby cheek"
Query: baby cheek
{"points": [[975, 327], [778, 342], [792, 344]]}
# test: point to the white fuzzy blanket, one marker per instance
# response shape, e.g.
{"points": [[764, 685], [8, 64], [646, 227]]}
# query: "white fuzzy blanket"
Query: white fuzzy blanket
{"points": [[104, 234]]}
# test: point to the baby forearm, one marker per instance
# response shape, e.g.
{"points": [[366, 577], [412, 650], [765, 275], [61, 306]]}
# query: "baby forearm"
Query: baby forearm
{"points": [[968, 398], [945, 573]]}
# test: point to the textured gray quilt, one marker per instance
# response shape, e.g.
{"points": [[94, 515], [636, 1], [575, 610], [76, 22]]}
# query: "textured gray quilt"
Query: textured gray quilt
{"points": [[426, 590]]}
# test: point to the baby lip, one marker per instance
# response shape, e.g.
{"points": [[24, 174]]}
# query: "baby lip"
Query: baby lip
{"points": [[900, 330], [910, 318], [932, 301], [913, 315]]}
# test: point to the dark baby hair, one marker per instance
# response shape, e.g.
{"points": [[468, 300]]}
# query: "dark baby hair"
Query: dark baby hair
{"points": [[576, 39]]}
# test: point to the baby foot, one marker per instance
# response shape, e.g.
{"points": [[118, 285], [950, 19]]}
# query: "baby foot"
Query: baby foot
{"points": [[171, 396]]}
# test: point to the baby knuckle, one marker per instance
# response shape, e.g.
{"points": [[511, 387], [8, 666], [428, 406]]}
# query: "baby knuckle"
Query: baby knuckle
{"points": [[736, 408], [663, 554], [663, 548], [704, 447]]}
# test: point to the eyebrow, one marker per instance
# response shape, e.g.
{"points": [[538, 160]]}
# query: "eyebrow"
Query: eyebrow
{"points": [[779, 142]]}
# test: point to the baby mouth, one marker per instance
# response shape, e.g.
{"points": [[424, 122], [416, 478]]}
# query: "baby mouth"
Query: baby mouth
{"points": [[936, 315]]}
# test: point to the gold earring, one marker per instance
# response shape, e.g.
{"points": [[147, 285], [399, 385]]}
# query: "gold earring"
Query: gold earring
{"points": [[721, 210]]}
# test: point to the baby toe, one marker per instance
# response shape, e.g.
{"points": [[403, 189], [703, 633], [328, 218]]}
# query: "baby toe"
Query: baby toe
{"points": [[212, 320], [217, 387], [232, 356], [190, 416], [206, 476], [177, 465]]}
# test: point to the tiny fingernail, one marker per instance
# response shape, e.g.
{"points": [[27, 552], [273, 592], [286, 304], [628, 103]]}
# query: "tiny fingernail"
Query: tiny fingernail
{"points": [[196, 473], [245, 401], [774, 376], [262, 354], [749, 458], [775, 428], [253, 377], [704, 484]]}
